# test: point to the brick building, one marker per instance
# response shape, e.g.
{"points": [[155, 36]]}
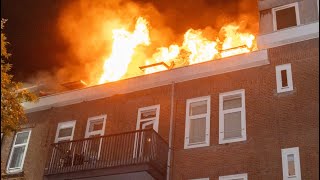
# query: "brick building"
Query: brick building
{"points": [[250, 116]]}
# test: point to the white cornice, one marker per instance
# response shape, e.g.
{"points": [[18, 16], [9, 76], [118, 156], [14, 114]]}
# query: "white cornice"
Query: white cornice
{"points": [[288, 36], [214, 67]]}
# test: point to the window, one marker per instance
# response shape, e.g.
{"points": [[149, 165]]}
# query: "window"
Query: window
{"points": [[197, 130], [148, 117], [291, 164], [232, 117], [284, 78], [18, 151], [96, 126], [235, 177], [286, 16], [65, 131]]}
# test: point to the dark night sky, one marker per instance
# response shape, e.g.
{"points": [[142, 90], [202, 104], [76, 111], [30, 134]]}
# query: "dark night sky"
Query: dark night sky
{"points": [[36, 44], [32, 35]]}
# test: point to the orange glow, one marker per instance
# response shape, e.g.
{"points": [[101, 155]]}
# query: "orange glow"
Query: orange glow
{"points": [[164, 54], [123, 47], [201, 49], [195, 47]]}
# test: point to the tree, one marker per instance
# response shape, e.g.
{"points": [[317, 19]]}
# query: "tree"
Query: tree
{"points": [[12, 94]]}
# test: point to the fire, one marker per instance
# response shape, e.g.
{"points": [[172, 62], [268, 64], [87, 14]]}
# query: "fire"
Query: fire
{"points": [[123, 47], [201, 49], [165, 55], [195, 49], [235, 42]]}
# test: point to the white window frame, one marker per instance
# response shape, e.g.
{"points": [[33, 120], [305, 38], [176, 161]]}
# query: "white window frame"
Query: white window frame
{"points": [[279, 68], [241, 109], [285, 153], [102, 131], [235, 176], [18, 169], [274, 10], [62, 125], [187, 145], [156, 119]]}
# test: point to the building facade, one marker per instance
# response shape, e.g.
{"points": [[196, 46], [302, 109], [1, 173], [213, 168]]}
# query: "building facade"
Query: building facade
{"points": [[250, 116]]}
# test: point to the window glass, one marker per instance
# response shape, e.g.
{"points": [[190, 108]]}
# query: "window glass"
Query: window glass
{"points": [[286, 18], [148, 114], [199, 107], [197, 130], [231, 102], [22, 138], [17, 157], [96, 125], [65, 132], [232, 125], [291, 168], [284, 79]]}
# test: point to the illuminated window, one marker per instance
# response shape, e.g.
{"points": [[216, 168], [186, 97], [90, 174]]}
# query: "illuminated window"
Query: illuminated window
{"points": [[18, 151], [197, 130], [232, 117], [235, 177], [286, 16], [291, 164], [284, 78], [65, 131]]}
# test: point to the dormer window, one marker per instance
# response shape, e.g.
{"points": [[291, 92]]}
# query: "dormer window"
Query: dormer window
{"points": [[286, 16]]}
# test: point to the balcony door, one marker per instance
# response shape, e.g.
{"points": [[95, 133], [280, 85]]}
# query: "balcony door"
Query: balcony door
{"points": [[148, 118], [92, 144]]}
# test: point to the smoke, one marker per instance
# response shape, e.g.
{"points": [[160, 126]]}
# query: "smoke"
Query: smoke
{"points": [[86, 27]]}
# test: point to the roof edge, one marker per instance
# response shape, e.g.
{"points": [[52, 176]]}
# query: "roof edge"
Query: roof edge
{"points": [[196, 71]]}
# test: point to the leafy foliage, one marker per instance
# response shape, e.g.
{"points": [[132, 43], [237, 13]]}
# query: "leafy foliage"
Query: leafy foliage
{"points": [[12, 94]]}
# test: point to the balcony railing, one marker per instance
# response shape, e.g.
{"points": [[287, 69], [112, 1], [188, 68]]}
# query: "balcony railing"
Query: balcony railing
{"points": [[130, 148]]}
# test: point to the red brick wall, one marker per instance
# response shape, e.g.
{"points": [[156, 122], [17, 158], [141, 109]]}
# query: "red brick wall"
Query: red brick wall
{"points": [[273, 121]]}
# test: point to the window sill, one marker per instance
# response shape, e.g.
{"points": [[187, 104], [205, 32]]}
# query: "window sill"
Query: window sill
{"points": [[196, 146], [285, 93], [233, 140], [13, 174]]}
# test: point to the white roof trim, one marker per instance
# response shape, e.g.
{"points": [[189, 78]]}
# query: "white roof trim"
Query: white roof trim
{"points": [[229, 64], [289, 35]]}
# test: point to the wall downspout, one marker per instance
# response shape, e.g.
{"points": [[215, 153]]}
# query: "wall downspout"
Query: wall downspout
{"points": [[170, 131]]}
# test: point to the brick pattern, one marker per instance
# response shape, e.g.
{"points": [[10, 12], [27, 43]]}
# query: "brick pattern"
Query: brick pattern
{"points": [[274, 121]]}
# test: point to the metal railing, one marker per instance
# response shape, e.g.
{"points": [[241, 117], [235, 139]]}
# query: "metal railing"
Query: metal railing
{"points": [[130, 148]]}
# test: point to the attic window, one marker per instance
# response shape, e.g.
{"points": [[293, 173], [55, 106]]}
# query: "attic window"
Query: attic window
{"points": [[285, 16]]}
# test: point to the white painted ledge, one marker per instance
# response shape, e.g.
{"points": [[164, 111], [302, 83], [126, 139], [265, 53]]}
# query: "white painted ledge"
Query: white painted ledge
{"points": [[229, 64], [287, 36]]}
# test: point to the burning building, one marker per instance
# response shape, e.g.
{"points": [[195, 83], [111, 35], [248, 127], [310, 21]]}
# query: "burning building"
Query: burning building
{"points": [[239, 106]]}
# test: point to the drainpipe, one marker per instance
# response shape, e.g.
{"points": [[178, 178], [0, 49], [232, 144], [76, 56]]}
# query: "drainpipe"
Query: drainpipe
{"points": [[170, 131]]}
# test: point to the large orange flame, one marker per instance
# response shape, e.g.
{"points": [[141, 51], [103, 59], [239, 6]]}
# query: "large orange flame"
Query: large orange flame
{"points": [[195, 48], [123, 47]]}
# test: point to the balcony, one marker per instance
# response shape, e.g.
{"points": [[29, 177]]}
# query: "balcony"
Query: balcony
{"points": [[103, 156]]}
